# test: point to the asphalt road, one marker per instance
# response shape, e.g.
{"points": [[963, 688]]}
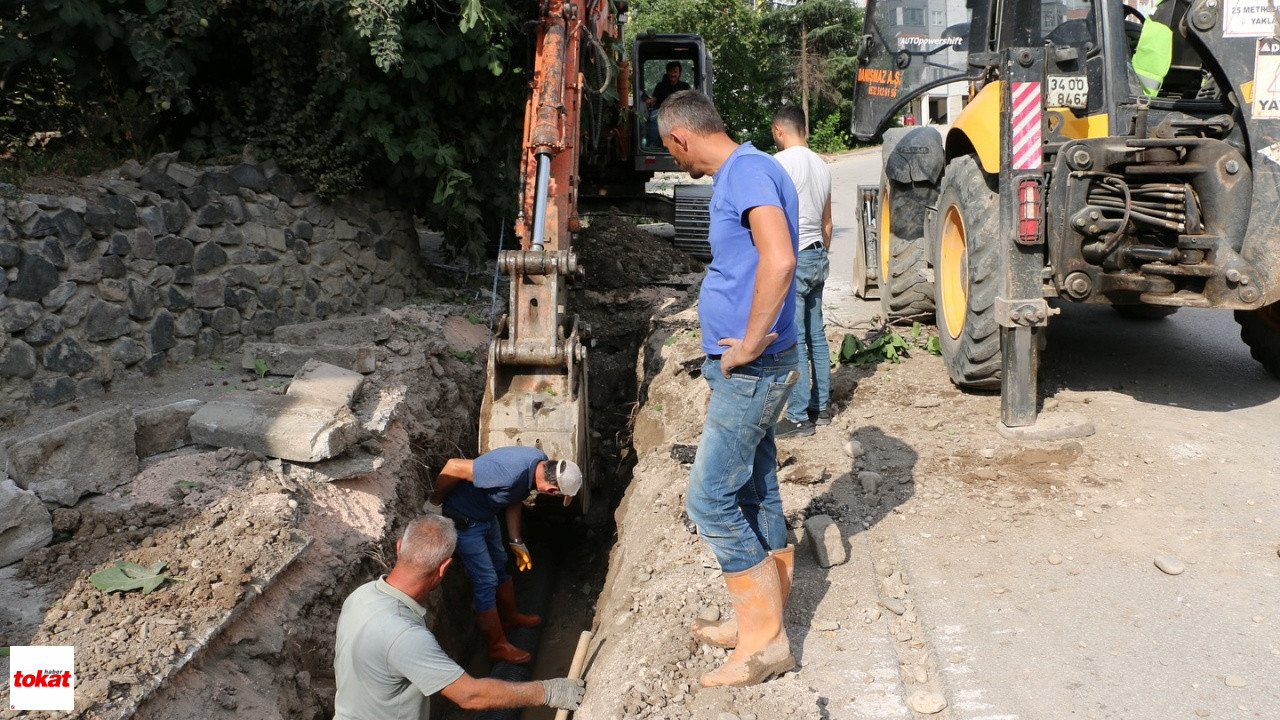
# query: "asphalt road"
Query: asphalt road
{"points": [[1186, 456]]}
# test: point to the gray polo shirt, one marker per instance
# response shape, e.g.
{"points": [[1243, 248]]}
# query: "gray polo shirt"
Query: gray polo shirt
{"points": [[387, 663]]}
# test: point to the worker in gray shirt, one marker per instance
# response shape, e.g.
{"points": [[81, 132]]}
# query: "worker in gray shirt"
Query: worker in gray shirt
{"points": [[388, 664]]}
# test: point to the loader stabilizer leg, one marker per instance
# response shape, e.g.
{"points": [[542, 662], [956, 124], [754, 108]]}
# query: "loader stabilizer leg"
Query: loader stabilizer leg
{"points": [[1020, 308], [1018, 368]]}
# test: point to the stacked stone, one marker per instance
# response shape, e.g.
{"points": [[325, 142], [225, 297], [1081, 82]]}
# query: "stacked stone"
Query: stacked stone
{"points": [[167, 262]]}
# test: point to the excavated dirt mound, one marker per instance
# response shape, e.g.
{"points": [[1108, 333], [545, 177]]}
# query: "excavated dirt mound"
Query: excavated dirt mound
{"points": [[617, 254]]}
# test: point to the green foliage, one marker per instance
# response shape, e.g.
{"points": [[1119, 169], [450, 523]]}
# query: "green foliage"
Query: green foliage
{"points": [[124, 576], [465, 356], [828, 136], [827, 58], [476, 319], [426, 99], [260, 366], [886, 344]]}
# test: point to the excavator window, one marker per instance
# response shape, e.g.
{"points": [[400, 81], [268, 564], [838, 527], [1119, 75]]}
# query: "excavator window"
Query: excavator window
{"points": [[659, 77]]}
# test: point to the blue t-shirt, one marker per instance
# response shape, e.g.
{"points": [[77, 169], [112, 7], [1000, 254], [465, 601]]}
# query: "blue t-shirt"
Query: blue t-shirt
{"points": [[499, 478], [747, 179]]}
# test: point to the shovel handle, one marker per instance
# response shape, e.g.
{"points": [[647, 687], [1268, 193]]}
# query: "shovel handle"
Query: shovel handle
{"points": [[575, 667]]}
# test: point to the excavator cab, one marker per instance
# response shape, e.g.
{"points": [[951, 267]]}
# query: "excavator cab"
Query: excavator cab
{"points": [[653, 57]]}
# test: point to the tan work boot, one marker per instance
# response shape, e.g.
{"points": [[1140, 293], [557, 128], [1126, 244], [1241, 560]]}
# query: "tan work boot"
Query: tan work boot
{"points": [[511, 616], [763, 649], [496, 639], [724, 633]]}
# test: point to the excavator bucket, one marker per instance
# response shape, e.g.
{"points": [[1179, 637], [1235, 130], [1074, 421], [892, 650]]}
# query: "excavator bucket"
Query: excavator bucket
{"points": [[540, 406]]}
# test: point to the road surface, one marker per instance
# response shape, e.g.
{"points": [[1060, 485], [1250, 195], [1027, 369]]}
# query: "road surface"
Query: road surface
{"points": [[1041, 612]]}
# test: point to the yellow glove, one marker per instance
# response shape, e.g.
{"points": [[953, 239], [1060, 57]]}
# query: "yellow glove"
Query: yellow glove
{"points": [[523, 560]]}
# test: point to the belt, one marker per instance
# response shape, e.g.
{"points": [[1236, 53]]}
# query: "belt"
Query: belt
{"points": [[792, 347], [461, 523], [811, 246]]}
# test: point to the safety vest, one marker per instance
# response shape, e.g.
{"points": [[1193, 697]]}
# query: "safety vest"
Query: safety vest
{"points": [[1154, 54]]}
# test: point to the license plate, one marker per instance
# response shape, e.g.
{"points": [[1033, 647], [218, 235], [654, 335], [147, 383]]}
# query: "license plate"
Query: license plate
{"points": [[1070, 91]]}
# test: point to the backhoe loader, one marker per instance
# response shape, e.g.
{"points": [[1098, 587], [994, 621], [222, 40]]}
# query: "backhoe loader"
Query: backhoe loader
{"points": [[1106, 153]]}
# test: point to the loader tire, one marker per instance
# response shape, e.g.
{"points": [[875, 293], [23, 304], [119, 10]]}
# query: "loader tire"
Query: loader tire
{"points": [[1260, 330], [905, 289], [966, 263], [1144, 313]]}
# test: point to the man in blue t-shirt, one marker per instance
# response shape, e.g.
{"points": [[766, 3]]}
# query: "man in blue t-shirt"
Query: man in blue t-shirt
{"points": [[746, 310], [472, 493]]}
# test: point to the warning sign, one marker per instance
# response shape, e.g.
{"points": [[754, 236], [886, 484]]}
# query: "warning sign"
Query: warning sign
{"points": [[1266, 79], [1248, 18]]}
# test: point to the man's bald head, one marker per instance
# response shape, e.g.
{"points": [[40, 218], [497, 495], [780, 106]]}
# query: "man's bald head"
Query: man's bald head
{"points": [[427, 542]]}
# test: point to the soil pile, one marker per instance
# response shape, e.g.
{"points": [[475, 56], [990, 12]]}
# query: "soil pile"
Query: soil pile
{"points": [[617, 254]]}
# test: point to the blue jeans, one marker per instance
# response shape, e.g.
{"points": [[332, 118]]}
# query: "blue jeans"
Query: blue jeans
{"points": [[812, 267], [733, 487], [483, 555]]}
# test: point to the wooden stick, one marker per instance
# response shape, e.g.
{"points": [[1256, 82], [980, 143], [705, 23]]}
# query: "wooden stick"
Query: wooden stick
{"points": [[575, 667]]}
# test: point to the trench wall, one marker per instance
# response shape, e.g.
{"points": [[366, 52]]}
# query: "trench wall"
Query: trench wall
{"points": [[162, 263]]}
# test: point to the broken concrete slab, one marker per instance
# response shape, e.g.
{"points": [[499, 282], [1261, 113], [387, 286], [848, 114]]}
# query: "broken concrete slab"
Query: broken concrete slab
{"points": [[325, 384], [95, 454], [824, 537], [25, 523], [354, 465], [378, 413], [284, 359], [338, 331], [163, 429], [276, 426]]}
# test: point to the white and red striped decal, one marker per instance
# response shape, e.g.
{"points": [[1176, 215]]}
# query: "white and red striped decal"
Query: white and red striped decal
{"points": [[1025, 118]]}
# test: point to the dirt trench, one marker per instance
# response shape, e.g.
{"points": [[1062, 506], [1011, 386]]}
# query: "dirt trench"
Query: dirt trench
{"points": [[262, 555]]}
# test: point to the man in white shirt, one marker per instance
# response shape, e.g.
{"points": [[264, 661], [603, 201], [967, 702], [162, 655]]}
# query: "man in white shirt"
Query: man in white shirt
{"points": [[807, 405]]}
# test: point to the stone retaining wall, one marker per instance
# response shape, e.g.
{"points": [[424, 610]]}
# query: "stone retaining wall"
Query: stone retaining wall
{"points": [[167, 262]]}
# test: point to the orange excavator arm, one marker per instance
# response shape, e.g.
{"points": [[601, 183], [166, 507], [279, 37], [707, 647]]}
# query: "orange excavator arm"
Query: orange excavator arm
{"points": [[536, 393]]}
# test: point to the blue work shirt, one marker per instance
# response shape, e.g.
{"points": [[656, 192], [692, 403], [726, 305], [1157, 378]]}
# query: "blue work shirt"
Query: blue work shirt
{"points": [[499, 478], [747, 179]]}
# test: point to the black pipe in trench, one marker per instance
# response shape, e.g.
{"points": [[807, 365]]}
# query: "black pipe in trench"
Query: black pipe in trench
{"points": [[533, 589]]}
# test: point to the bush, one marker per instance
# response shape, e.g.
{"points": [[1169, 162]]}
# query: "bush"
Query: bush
{"points": [[424, 100], [828, 135]]}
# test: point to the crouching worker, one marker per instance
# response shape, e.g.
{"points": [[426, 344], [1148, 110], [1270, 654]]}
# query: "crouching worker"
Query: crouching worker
{"points": [[388, 664], [472, 493]]}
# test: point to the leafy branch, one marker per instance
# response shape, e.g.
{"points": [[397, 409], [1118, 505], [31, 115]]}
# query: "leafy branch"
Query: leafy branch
{"points": [[886, 344]]}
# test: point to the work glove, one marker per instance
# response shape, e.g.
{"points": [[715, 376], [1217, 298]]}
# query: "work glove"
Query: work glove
{"points": [[563, 693], [432, 508], [523, 560]]}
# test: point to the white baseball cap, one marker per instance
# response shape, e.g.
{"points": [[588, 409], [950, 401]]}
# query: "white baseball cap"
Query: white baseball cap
{"points": [[568, 477]]}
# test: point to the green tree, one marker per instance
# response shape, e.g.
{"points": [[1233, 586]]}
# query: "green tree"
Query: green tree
{"points": [[426, 99], [821, 37]]}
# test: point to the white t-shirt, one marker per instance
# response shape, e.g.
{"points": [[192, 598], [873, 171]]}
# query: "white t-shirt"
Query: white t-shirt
{"points": [[813, 183]]}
